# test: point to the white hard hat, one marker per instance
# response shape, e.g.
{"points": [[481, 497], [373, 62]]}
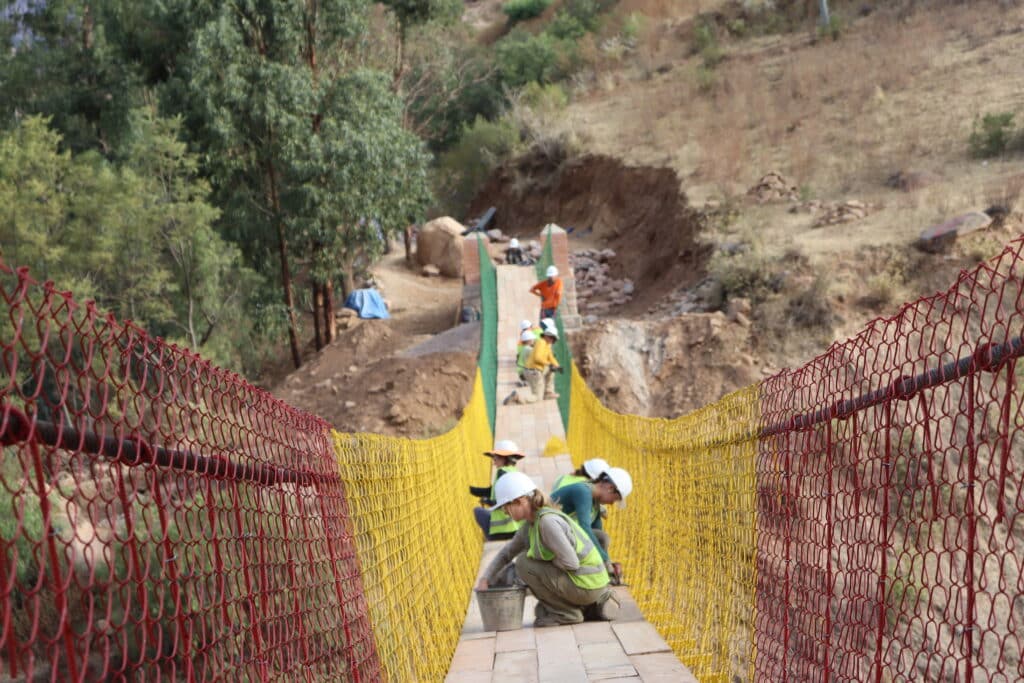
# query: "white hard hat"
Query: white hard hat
{"points": [[513, 243], [527, 336], [550, 331], [595, 467], [511, 486], [548, 322], [525, 325], [552, 271], [623, 482], [505, 447]]}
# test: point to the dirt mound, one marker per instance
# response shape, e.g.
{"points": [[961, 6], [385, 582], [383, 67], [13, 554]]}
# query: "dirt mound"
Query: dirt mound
{"points": [[639, 212], [359, 384], [665, 368]]}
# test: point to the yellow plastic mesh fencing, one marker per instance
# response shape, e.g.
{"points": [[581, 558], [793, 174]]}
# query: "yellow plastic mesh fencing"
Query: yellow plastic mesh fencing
{"points": [[686, 539], [418, 546]]}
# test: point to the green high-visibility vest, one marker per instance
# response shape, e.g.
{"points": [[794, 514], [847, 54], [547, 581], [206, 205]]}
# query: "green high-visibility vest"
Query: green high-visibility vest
{"points": [[592, 573], [567, 480], [501, 523]]}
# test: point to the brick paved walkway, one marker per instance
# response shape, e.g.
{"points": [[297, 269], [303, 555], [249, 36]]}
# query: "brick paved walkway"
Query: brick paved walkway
{"points": [[628, 649]]}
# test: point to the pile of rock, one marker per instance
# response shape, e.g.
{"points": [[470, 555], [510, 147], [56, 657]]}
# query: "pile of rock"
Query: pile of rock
{"points": [[774, 187], [596, 291], [844, 212]]}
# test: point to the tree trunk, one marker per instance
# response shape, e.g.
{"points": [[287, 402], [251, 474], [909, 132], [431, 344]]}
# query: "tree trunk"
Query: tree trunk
{"points": [[396, 83], [407, 237], [318, 304], [330, 325], [823, 15], [348, 280], [286, 274]]}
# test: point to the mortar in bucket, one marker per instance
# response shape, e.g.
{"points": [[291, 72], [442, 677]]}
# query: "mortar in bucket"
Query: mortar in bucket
{"points": [[501, 609]]}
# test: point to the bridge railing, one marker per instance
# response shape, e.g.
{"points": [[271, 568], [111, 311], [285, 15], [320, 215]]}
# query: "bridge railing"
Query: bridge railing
{"points": [[855, 519], [162, 518]]}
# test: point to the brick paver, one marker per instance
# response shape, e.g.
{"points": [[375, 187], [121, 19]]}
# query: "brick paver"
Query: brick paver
{"points": [[628, 649]]}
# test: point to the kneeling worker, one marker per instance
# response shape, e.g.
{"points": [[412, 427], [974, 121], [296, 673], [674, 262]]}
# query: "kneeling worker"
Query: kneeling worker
{"points": [[539, 372], [582, 502], [561, 565], [493, 521]]}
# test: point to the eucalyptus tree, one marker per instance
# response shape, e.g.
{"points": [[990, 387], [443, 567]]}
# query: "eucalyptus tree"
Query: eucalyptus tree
{"points": [[306, 149]]}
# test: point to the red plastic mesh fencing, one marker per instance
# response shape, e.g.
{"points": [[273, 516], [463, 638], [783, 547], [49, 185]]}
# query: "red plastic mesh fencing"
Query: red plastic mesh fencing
{"points": [[161, 519], [891, 537]]}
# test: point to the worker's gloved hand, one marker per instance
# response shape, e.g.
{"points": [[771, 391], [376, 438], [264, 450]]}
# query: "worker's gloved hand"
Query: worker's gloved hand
{"points": [[559, 370], [615, 573]]}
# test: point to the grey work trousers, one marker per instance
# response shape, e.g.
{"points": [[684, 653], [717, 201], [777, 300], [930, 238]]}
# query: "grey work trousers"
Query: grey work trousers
{"points": [[539, 384], [553, 588]]}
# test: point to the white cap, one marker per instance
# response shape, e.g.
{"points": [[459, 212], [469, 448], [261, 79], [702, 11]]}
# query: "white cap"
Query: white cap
{"points": [[552, 271], [623, 482], [595, 467], [525, 325], [527, 336], [513, 243], [512, 485]]}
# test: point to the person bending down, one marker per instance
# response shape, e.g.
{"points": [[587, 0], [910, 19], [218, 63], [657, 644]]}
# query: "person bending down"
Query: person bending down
{"points": [[553, 556]]}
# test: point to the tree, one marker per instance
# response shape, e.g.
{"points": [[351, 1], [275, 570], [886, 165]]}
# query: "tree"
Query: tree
{"points": [[302, 157], [409, 13]]}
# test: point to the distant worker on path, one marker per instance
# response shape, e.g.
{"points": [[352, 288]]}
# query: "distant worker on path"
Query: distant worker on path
{"points": [[561, 564], [526, 342], [514, 253], [492, 520], [540, 371], [582, 502], [550, 292]]}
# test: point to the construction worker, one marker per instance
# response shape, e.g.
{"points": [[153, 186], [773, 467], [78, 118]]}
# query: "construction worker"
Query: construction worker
{"points": [[492, 520], [526, 342], [588, 472], [582, 502], [514, 253], [561, 565], [550, 292], [539, 372]]}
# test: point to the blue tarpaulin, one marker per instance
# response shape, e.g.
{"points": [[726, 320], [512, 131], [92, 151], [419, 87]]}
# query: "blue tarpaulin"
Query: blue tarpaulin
{"points": [[367, 303]]}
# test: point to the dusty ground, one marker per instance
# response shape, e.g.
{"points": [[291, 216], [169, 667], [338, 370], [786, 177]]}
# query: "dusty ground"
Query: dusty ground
{"points": [[393, 376]]}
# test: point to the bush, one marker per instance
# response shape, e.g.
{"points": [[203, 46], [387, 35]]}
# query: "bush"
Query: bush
{"points": [[523, 58], [705, 40], [566, 27], [833, 29], [521, 10], [993, 135], [464, 169]]}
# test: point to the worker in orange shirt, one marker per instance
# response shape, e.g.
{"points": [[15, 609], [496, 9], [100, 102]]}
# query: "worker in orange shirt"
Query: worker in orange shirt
{"points": [[550, 292]]}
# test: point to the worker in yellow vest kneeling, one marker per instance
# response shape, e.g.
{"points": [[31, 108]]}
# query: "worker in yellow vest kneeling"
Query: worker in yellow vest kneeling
{"points": [[561, 565], [495, 524]]}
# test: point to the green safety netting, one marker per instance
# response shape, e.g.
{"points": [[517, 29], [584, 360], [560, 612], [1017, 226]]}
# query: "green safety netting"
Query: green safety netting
{"points": [[563, 381], [488, 358]]}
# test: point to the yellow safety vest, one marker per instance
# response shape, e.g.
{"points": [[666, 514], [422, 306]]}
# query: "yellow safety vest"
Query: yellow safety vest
{"points": [[501, 523], [592, 573]]}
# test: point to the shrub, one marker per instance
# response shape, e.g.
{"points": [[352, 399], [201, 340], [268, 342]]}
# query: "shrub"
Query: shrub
{"points": [[465, 167], [565, 26], [521, 10], [833, 29], [523, 58], [705, 40], [810, 308], [745, 271], [707, 80], [992, 135]]}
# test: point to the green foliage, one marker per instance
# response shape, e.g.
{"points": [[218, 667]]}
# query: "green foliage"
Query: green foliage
{"points": [[521, 10], [551, 97], [565, 26], [137, 236], [632, 27], [705, 40], [523, 58], [994, 135], [412, 12], [464, 169], [707, 79]]}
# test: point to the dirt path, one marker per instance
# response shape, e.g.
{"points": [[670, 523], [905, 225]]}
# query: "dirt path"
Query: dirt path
{"points": [[419, 305]]}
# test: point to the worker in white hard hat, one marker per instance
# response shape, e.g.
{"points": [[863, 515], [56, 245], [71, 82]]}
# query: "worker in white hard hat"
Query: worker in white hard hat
{"points": [[582, 501], [550, 292], [490, 517], [523, 352], [514, 253], [589, 471], [561, 563], [539, 371]]}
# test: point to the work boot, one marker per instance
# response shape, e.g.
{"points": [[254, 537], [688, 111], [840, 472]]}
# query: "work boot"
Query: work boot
{"points": [[511, 398], [550, 395], [543, 618], [609, 609]]}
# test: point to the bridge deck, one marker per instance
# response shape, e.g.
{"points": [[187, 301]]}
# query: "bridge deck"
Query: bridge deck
{"points": [[628, 649]]}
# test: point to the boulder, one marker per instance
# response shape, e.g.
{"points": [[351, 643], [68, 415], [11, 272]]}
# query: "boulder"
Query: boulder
{"points": [[430, 270], [938, 238], [439, 243]]}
